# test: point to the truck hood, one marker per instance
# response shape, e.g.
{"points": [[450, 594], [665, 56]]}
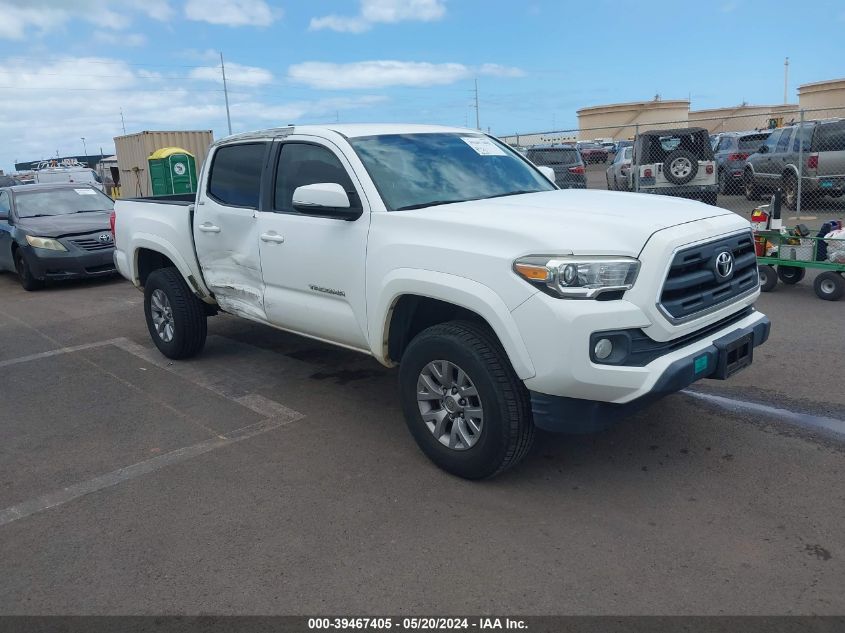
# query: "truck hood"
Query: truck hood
{"points": [[61, 225], [569, 221]]}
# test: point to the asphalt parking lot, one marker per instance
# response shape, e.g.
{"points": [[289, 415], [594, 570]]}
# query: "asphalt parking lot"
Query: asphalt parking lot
{"points": [[274, 474]]}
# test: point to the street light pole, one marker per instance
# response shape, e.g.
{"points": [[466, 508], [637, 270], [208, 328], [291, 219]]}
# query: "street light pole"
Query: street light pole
{"points": [[84, 148]]}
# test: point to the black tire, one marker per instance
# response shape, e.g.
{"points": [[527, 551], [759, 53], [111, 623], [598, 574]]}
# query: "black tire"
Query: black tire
{"points": [[752, 191], [829, 286], [675, 156], [768, 278], [790, 192], [791, 275], [710, 197], [28, 281], [609, 188], [723, 182], [190, 325], [508, 427]]}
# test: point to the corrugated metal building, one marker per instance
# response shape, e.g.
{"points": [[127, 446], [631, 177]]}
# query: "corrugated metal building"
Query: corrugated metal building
{"points": [[133, 150]]}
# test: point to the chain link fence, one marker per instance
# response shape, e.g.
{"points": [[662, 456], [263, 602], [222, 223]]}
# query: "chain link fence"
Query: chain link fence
{"points": [[736, 161]]}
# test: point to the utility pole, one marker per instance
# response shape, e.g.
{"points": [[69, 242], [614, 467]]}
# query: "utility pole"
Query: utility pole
{"points": [[122, 122], [84, 148], [477, 117], [226, 93], [785, 79]]}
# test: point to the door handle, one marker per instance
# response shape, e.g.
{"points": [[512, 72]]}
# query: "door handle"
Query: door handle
{"points": [[209, 228], [272, 237]]}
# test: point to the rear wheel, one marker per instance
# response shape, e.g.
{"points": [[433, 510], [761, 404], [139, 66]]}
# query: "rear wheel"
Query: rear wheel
{"points": [[176, 319], [463, 403], [829, 286], [28, 281], [768, 278], [791, 275]]}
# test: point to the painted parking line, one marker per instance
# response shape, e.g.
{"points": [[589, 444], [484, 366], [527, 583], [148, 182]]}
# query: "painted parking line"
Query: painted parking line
{"points": [[57, 352], [65, 495], [275, 414]]}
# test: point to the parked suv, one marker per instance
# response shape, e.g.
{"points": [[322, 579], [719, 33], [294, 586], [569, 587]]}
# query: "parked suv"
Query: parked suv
{"points": [[675, 163], [730, 152], [566, 162], [775, 164]]}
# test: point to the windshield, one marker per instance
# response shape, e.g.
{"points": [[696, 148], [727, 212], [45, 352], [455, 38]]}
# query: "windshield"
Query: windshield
{"points": [[30, 204], [419, 170], [554, 156]]}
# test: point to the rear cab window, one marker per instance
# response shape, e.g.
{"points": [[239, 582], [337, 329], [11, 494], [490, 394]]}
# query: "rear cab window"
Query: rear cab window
{"points": [[783, 142], [235, 176]]}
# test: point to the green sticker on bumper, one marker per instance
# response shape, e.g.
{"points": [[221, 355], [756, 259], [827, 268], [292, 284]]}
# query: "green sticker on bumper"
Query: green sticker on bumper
{"points": [[700, 364]]}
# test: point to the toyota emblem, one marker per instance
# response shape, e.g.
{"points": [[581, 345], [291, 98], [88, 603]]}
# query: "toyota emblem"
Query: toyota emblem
{"points": [[724, 264], [105, 238]]}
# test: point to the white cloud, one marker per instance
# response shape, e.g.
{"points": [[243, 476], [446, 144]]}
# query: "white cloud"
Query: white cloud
{"points": [[120, 39], [74, 97], [19, 19], [232, 12], [384, 73], [235, 73], [382, 12], [340, 23], [390, 11]]}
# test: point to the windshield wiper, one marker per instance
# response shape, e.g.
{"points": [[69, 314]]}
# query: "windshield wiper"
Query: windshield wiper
{"points": [[422, 205], [513, 193], [90, 211], [37, 215]]}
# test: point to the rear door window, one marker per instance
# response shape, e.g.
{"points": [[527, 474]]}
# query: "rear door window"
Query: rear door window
{"points": [[235, 178], [830, 137]]}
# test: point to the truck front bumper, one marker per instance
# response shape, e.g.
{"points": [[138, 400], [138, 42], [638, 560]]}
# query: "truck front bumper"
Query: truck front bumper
{"points": [[572, 391], [575, 415]]}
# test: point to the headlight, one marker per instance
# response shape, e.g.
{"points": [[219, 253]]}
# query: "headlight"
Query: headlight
{"points": [[578, 277], [45, 242]]}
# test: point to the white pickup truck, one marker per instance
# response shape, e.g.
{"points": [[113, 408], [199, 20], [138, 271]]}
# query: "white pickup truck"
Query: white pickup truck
{"points": [[507, 304]]}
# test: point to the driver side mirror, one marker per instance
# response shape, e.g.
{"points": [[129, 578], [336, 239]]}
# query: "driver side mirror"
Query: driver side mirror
{"points": [[325, 198], [4, 215]]}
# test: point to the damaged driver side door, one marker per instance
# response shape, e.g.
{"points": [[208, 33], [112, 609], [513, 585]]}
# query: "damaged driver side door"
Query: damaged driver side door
{"points": [[226, 230]]}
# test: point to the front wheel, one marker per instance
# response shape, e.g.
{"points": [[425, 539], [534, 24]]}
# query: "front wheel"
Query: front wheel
{"points": [[768, 278], [175, 317], [463, 403], [829, 286], [752, 192], [27, 279], [790, 192]]}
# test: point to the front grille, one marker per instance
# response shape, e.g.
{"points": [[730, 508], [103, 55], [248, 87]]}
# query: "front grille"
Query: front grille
{"points": [[692, 285], [92, 244]]}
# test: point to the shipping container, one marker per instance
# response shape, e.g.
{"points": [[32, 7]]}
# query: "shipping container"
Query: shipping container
{"points": [[133, 150]]}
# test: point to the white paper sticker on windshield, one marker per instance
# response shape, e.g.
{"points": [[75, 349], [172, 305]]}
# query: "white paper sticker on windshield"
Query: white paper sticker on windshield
{"points": [[483, 146], [86, 192]]}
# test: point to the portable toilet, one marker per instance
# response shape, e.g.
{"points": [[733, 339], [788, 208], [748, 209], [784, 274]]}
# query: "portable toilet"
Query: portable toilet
{"points": [[172, 170]]}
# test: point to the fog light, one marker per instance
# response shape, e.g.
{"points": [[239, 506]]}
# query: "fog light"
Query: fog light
{"points": [[603, 348]]}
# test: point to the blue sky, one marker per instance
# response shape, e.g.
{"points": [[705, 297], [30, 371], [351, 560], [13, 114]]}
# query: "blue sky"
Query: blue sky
{"points": [[68, 68]]}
